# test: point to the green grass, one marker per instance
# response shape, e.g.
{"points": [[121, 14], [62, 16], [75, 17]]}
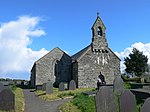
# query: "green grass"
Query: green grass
{"points": [[85, 103], [73, 106], [69, 107], [60, 94], [126, 79], [118, 102], [6, 111], [127, 85], [81, 103], [139, 103], [19, 100]]}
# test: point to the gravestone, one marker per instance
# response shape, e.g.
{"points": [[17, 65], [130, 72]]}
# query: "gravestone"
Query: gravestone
{"points": [[148, 80], [44, 86], [49, 87], [38, 87], [106, 100], [142, 80], [146, 106], [1, 87], [22, 83], [5, 83], [66, 86], [127, 102], [72, 85], [61, 86], [11, 82], [7, 100], [147, 87], [118, 85]]}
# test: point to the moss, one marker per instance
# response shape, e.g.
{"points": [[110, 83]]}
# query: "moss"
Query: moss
{"points": [[69, 107], [19, 100], [84, 103], [126, 79], [127, 85], [60, 94]]}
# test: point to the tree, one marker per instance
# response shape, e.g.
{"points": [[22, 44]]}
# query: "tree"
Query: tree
{"points": [[136, 63]]}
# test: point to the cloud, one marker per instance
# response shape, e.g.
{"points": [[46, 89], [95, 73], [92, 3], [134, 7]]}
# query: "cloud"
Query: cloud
{"points": [[15, 37], [145, 48]]}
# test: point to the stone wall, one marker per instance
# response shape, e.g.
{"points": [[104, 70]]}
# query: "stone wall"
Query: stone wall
{"points": [[54, 66], [33, 75], [91, 64], [87, 64], [75, 72]]}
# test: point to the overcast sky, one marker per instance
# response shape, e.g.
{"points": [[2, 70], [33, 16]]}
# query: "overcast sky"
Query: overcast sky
{"points": [[31, 28]]}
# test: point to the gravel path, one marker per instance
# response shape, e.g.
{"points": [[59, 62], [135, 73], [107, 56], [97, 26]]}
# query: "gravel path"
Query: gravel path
{"points": [[35, 104]]}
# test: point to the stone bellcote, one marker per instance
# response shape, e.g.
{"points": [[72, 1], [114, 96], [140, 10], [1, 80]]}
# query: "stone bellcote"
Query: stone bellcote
{"points": [[99, 41]]}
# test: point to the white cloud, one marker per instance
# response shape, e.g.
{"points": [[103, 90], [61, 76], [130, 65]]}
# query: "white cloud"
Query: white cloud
{"points": [[145, 48], [15, 36]]}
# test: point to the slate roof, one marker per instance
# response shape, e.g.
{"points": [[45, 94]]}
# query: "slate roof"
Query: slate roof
{"points": [[98, 18], [56, 48], [80, 53]]}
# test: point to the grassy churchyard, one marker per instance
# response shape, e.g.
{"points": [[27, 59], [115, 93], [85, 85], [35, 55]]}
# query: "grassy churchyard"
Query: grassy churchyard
{"points": [[80, 102], [19, 99], [58, 95]]}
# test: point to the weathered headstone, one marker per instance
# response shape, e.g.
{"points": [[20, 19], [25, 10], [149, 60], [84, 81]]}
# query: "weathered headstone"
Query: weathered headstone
{"points": [[142, 80], [1, 87], [11, 82], [127, 102], [61, 86], [118, 85], [146, 87], [106, 100], [22, 83], [7, 100], [146, 106], [38, 87], [49, 87], [72, 85], [66, 86], [44, 86], [148, 80], [5, 83]]}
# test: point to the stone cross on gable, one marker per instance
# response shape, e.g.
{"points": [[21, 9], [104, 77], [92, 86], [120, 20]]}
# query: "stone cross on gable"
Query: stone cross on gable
{"points": [[97, 13]]}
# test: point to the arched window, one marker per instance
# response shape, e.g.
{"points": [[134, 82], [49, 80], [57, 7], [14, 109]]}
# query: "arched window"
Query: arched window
{"points": [[99, 31]]}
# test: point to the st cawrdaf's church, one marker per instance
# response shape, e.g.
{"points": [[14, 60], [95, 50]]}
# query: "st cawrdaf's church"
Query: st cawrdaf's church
{"points": [[84, 67]]}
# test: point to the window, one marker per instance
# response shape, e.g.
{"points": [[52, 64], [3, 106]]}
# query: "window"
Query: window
{"points": [[99, 31]]}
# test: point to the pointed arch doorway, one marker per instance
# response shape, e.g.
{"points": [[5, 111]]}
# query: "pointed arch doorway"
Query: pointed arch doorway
{"points": [[57, 66]]}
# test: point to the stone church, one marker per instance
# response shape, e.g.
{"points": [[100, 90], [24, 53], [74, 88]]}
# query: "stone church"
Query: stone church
{"points": [[83, 67]]}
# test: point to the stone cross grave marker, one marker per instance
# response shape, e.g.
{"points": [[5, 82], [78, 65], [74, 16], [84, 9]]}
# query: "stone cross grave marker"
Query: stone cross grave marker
{"points": [[72, 85], [127, 102], [61, 86], [49, 87], [146, 106], [118, 85], [44, 87], [106, 100], [7, 100]]}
